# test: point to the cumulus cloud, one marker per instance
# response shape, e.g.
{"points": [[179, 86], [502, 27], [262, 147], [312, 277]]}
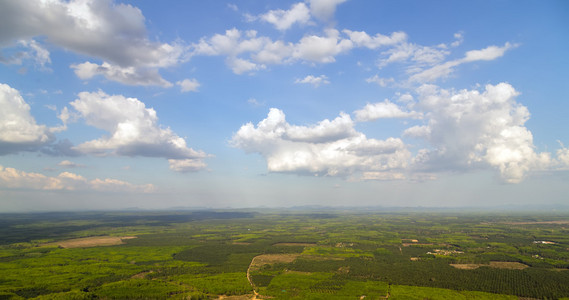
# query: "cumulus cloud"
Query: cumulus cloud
{"points": [[246, 52], [89, 27], [18, 128], [133, 129], [188, 85], [469, 129], [383, 110], [316, 81], [16, 179], [324, 9], [284, 19], [232, 44], [322, 49], [329, 148], [462, 131]]}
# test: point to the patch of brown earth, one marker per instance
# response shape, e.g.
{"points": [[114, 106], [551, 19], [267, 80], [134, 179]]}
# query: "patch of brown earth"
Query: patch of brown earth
{"points": [[268, 259], [296, 244], [141, 275], [493, 264], [538, 222], [410, 240], [93, 241]]}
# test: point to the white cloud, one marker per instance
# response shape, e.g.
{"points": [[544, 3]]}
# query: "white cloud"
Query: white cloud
{"points": [[232, 6], [89, 27], [240, 66], [383, 110], [69, 164], [322, 49], [445, 69], [469, 129], [331, 148], [323, 132], [15, 179], [28, 50], [188, 85], [462, 131], [362, 39], [124, 75], [416, 55], [255, 102], [274, 52], [488, 53], [324, 9], [186, 165], [284, 19], [246, 52], [234, 43], [383, 82], [563, 157], [133, 129], [316, 81], [459, 38], [18, 128]]}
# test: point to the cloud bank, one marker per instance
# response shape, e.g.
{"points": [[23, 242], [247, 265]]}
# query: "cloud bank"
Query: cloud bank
{"points": [[15, 179], [461, 131]]}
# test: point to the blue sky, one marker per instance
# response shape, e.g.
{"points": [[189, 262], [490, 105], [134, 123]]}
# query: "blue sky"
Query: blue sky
{"points": [[118, 104]]}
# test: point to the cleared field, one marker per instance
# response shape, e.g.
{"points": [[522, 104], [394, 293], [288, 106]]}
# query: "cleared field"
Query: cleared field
{"points": [[267, 259], [493, 264], [94, 241], [296, 244]]}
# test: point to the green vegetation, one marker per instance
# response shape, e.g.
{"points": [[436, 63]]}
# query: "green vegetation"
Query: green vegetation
{"points": [[348, 255]]}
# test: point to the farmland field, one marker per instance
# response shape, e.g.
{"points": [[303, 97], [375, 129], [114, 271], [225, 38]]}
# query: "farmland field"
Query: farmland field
{"points": [[284, 255]]}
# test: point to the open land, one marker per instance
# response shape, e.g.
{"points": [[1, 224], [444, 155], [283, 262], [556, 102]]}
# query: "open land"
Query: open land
{"points": [[283, 255], [91, 241]]}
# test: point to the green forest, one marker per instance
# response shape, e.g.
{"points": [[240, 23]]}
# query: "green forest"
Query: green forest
{"points": [[269, 254]]}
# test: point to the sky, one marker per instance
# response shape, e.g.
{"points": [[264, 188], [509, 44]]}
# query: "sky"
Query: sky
{"points": [[228, 104]]}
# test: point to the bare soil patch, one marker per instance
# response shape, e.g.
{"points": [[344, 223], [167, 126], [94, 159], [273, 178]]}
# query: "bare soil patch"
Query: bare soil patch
{"points": [[508, 265], [410, 240], [493, 264], [93, 241], [237, 297], [241, 243], [267, 259], [416, 244], [141, 275], [296, 244], [467, 266], [561, 222]]}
